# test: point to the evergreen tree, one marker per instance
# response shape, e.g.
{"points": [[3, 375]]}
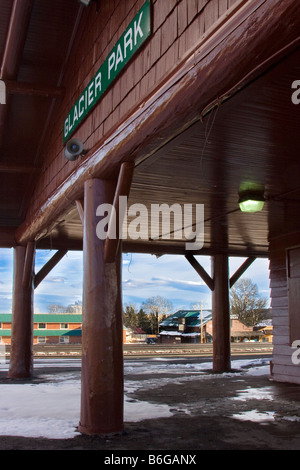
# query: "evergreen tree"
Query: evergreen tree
{"points": [[130, 316]]}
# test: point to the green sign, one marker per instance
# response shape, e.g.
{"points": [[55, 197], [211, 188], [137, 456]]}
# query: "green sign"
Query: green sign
{"points": [[130, 41]]}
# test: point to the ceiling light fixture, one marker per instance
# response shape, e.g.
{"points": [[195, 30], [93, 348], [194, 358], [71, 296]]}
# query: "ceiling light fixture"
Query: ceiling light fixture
{"points": [[250, 201]]}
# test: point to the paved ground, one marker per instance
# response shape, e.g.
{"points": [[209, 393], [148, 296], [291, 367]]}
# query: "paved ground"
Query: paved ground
{"points": [[234, 411]]}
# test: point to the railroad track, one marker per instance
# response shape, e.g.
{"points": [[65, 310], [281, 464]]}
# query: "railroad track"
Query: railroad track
{"points": [[144, 350], [194, 349]]}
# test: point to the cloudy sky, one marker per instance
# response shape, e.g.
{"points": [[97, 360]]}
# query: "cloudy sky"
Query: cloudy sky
{"points": [[144, 276]]}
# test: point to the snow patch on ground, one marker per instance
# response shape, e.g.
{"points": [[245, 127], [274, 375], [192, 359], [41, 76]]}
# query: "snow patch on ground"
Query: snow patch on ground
{"points": [[51, 409]]}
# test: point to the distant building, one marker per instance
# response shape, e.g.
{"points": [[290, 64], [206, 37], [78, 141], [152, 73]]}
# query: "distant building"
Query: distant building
{"points": [[135, 335], [266, 328], [184, 326], [189, 326], [60, 328], [49, 328]]}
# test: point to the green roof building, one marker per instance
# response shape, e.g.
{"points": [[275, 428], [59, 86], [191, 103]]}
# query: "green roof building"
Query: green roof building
{"points": [[61, 328]]}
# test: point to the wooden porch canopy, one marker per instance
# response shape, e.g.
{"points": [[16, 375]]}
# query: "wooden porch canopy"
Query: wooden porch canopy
{"points": [[222, 120], [205, 133], [35, 41]]}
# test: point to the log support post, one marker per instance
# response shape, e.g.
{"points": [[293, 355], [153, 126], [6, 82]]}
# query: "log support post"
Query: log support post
{"points": [[102, 387], [220, 285], [21, 356], [25, 281], [221, 314]]}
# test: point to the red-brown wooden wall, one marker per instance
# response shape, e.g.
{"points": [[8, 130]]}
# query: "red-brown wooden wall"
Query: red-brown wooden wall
{"points": [[178, 27]]}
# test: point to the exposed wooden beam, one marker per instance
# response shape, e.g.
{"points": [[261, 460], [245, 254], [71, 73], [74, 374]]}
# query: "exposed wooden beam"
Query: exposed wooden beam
{"points": [[102, 353], [13, 49], [221, 314], [45, 270], [21, 353], [240, 271], [60, 243], [7, 237], [112, 241], [146, 247], [164, 114], [161, 248], [80, 208], [18, 169], [28, 271], [15, 38], [201, 271], [14, 87]]}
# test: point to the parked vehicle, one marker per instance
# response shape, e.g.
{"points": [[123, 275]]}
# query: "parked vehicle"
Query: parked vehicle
{"points": [[151, 340]]}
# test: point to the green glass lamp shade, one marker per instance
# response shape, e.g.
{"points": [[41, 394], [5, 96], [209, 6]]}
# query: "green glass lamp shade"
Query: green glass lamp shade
{"points": [[250, 202]]}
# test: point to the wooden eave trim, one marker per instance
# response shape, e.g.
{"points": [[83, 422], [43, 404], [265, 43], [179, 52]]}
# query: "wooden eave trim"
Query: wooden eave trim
{"points": [[167, 112]]}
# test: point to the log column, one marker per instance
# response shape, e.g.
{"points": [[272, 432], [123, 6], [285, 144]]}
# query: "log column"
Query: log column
{"points": [[102, 327], [21, 355], [221, 314]]}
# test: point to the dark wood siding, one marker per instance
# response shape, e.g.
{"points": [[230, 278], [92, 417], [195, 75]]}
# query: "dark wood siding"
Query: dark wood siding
{"points": [[293, 271], [283, 367]]}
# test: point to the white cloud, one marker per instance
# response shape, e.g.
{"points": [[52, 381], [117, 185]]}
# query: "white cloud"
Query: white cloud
{"points": [[143, 276], [57, 279]]}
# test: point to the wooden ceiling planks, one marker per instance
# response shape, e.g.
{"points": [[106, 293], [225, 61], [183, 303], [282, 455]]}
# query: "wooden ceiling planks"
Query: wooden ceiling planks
{"points": [[37, 69], [250, 138], [243, 140]]}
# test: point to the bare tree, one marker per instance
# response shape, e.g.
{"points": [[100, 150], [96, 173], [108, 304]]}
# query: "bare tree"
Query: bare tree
{"points": [[246, 303], [157, 308], [56, 308], [72, 308]]}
